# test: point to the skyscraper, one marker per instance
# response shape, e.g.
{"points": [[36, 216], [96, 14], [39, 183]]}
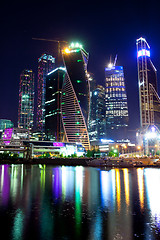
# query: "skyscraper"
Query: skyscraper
{"points": [[149, 100], [46, 63], [116, 102], [26, 100], [75, 95], [97, 119], [53, 121]]}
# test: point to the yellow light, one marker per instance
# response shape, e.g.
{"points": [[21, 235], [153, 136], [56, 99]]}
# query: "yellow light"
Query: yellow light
{"points": [[67, 50], [118, 189], [126, 184], [141, 186]]}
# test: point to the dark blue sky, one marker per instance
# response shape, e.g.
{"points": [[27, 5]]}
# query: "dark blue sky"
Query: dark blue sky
{"points": [[103, 27]]}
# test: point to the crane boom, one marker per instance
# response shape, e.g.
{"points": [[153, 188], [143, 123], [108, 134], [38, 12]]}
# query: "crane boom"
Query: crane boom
{"points": [[49, 40]]}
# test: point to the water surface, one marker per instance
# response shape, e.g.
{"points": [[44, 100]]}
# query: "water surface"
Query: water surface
{"points": [[46, 202]]}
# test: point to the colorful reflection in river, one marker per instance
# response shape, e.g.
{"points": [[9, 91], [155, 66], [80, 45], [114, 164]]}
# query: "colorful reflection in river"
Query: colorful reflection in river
{"points": [[45, 202]]}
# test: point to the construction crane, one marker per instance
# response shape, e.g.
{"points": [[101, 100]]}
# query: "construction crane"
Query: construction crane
{"points": [[58, 95], [53, 40]]}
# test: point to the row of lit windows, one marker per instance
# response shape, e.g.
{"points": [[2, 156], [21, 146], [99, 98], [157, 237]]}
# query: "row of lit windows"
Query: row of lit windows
{"points": [[115, 83], [117, 112], [116, 103], [115, 95], [115, 89], [115, 78]]}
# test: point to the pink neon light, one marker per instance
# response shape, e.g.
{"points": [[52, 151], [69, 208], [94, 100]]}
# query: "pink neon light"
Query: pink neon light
{"points": [[7, 135], [58, 144]]}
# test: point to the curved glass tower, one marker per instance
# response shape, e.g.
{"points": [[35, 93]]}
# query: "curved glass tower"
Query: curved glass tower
{"points": [[75, 95], [147, 79]]}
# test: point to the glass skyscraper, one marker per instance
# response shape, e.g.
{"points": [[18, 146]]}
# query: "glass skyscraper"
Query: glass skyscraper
{"points": [[97, 120], [149, 100], [116, 103], [26, 100], [5, 123], [46, 63], [53, 121], [75, 95]]}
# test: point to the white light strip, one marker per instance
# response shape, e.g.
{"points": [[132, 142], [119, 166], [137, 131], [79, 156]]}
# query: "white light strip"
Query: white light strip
{"points": [[60, 68]]}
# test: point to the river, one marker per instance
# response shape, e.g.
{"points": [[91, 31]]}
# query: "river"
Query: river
{"points": [[63, 202]]}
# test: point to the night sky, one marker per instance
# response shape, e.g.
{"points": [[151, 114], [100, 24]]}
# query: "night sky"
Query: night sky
{"points": [[104, 28]]}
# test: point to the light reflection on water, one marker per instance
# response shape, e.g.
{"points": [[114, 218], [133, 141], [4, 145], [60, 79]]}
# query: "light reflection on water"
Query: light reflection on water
{"points": [[45, 202]]}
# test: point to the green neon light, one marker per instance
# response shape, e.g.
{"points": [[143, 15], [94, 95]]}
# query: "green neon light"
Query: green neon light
{"points": [[79, 81], [75, 45]]}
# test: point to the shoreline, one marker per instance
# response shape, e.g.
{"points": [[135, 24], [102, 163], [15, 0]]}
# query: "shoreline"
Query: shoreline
{"points": [[78, 162]]}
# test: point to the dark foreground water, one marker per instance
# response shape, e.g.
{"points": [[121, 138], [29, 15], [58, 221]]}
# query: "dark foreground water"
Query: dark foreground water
{"points": [[45, 202]]}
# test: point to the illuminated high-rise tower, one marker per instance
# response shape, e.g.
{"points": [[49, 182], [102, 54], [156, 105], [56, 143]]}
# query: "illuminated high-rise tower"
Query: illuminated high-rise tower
{"points": [[116, 102], [26, 100], [149, 100], [75, 95], [97, 119], [53, 122], [46, 63]]}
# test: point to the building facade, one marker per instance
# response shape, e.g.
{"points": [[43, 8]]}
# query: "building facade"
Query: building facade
{"points": [[116, 103], [5, 123], [75, 95], [97, 119], [46, 63], [149, 100], [53, 122], [26, 100]]}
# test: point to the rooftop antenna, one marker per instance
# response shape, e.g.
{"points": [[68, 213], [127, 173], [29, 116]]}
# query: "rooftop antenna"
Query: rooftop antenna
{"points": [[115, 60], [110, 61]]}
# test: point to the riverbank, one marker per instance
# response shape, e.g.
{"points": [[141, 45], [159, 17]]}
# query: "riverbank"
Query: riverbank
{"points": [[102, 163], [49, 161]]}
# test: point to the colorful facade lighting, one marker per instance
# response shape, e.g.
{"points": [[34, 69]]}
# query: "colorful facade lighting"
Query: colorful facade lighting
{"points": [[143, 52], [7, 135], [58, 144]]}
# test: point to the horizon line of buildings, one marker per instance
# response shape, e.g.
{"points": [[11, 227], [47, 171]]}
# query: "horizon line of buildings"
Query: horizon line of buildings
{"points": [[98, 111], [72, 107]]}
